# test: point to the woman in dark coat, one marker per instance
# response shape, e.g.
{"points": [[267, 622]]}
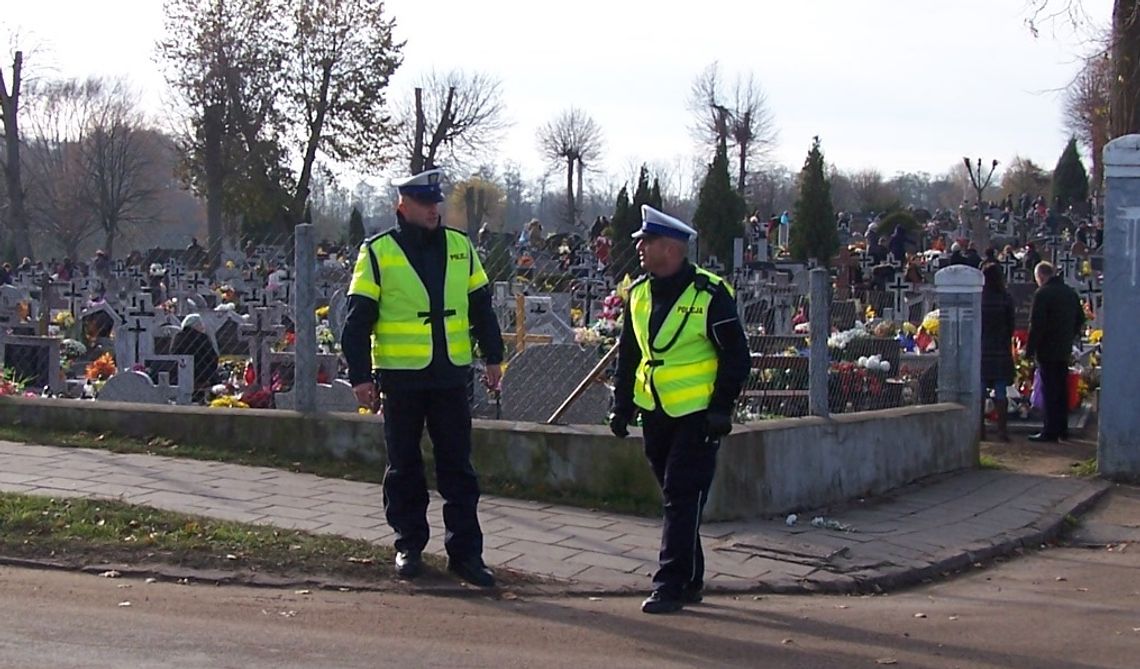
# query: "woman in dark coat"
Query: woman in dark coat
{"points": [[194, 340], [997, 357]]}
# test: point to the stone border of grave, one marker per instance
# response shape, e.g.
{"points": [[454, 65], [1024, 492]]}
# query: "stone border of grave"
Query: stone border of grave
{"points": [[765, 469]]}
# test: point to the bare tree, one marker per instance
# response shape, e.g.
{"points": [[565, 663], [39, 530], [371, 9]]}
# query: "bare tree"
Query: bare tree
{"points": [[57, 123], [572, 139], [452, 120], [740, 117], [13, 180], [1087, 107], [119, 160]]}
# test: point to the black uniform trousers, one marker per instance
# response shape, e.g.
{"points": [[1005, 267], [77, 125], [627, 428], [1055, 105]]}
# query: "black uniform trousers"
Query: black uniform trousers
{"points": [[448, 418], [1055, 387], [684, 461]]}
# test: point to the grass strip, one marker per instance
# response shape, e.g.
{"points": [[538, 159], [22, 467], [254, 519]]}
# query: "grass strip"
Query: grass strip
{"points": [[78, 531]]}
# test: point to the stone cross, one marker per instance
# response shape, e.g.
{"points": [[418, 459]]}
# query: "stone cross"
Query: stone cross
{"points": [[1065, 262], [1053, 243], [258, 332], [174, 274], [74, 296], [900, 288], [1009, 263], [195, 282]]}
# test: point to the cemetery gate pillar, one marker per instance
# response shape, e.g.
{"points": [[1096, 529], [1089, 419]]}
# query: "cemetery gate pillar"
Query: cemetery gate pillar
{"points": [[1118, 444], [959, 290]]}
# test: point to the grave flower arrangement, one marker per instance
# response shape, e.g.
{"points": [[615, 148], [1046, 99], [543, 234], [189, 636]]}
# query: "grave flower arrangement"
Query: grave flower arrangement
{"points": [[102, 368], [606, 329], [10, 385], [326, 340], [70, 350]]}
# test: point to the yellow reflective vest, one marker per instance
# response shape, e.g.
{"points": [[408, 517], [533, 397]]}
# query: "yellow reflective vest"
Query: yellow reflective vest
{"points": [[678, 367], [402, 335]]}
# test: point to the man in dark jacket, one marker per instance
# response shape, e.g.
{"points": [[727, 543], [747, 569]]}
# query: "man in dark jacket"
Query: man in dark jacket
{"points": [[1055, 320]]}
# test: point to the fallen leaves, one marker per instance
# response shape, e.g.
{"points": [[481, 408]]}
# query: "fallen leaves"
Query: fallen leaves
{"points": [[360, 560], [111, 573]]}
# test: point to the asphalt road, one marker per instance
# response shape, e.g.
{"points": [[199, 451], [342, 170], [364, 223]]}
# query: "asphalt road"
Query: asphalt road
{"points": [[1066, 607]]}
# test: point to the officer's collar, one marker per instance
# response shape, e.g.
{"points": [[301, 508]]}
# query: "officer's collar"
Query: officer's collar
{"points": [[679, 278], [415, 233]]}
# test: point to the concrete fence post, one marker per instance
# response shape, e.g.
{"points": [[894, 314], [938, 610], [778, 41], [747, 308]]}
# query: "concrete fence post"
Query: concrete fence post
{"points": [[1118, 443], [820, 358], [959, 290], [305, 344]]}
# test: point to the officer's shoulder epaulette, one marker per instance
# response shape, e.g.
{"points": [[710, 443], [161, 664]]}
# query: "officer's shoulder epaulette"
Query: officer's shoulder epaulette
{"points": [[378, 235], [639, 280]]}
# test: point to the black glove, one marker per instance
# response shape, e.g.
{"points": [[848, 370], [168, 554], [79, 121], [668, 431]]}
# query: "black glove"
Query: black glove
{"points": [[619, 425], [717, 424]]}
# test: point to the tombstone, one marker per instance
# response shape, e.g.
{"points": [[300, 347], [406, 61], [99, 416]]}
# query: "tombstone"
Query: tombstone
{"points": [[283, 363], [338, 312], [226, 326], [336, 397], [844, 313], [173, 375], [1022, 294], [540, 378], [10, 299], [541, 318], [131, 386], [1092, 293], [259, 333], [34, 360]]}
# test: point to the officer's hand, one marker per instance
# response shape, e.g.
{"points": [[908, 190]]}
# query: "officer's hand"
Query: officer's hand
{"points": [[717, 424], [365, 394], [619, 425], [493, 376]]}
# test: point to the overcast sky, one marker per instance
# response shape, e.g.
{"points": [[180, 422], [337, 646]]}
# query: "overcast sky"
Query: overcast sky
{"points": [[898, 85]]}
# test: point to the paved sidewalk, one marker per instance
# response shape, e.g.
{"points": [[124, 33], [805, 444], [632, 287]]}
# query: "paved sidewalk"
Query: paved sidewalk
{"points": [[915, 533]]}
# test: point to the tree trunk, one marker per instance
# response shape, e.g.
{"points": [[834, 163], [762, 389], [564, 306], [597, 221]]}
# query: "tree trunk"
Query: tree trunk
{"points": [[743, 168], [578, 197], [570, 190], [1125, 116], [446, 121], [215, 181], [417, 164], [17, 215], [301, 196], [109, 243]]}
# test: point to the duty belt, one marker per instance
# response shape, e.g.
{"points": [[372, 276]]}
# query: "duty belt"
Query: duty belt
{"points": [[438, 316]]}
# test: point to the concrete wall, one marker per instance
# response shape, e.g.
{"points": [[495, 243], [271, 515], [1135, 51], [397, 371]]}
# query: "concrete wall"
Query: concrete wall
{"points": [[779, 466], [767, 468]]}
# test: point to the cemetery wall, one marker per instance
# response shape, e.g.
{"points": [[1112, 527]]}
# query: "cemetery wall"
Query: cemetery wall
{"points": [[766, 468], [780, 466]]}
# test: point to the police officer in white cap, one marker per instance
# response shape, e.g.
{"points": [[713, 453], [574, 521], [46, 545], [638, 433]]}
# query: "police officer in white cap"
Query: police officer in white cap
{"points": [[417, 294], [682, 361]]}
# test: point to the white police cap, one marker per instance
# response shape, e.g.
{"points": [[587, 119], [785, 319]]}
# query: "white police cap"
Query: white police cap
{"points": [[423, 186], [654, 222]]}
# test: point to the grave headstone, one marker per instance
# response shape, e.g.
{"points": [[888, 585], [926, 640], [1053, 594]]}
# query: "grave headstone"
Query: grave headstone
{"points": [[335, 397], [33, 360], [131, 386], [173, 375], [1022, 294]]}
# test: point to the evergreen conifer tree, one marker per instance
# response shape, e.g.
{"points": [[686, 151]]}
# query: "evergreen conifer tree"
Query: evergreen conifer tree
{"points": [[720, 210], [1070, 180], [624, 223], [355, 228], [655, 195], [813, 233]]}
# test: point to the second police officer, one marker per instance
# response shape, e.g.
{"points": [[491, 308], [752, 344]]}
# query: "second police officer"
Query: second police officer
{"points": [[682, 361]]}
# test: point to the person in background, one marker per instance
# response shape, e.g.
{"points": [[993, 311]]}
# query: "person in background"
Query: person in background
{"points": [[1055, 321], [195, 340], [997, 357]]}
